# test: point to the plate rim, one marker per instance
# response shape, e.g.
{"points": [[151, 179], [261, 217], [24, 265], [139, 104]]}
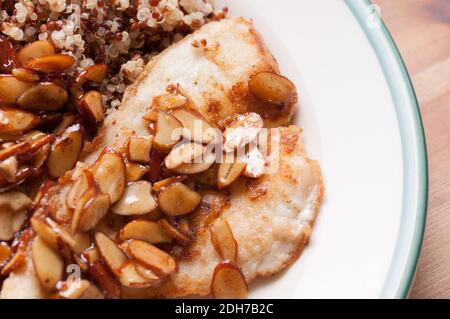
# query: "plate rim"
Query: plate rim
{"points": [[412, 223]]}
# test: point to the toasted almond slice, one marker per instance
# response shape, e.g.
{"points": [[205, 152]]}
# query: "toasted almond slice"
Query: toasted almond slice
{"points": [[148, 231], [183, 153], [114, 257], [74, 289], [81, 185], [67, 120], [146, 273], [8, 54], [39, 159], [14, 200], [129, 277], [228, 282], [36, 49], [44, 96], [89, 213], [109, 173], [92, 292], [15, 262], [208, 177], [48, 264], [105, 280], [137, 200], [229, 172], [158, 186], [14, 121], [55, 63], [5, 252], [199, 165], [223, 240], [91, 106], [177, 199], [272, 88], [95, 73], [48, 235], [173, 232], [25, 75], [65, 151], [195, 128], [135, 171], [158, 261], [12, 88], [139, 148], [168, 132], [243, 131], [9, 168]]}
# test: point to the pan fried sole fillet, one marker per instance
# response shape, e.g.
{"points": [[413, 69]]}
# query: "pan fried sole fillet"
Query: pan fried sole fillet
{"points": [[270, 217], [271, 220]]}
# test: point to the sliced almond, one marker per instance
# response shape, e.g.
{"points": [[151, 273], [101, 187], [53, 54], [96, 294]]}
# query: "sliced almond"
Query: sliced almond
{"points": [[89, 213], [158, 186], [36, 49], [183, 153], [105, 280], [229, 171], [65, 151], [36, 143], [195, 128], [44, 96], [130, 277], [228, 282], [14, 200], [114, 257], [39, 159], [137, 200], [13, 121], [95, 73], [58, 236], [9, 168], [91, 106], [19, 257], [81, 185], [148, 231], [177, 199], [158, 261], [48, 264], [272, 88], [146, 273], [223, 240], [25, 75], [5, 252], [135, 171], [67, 120], [173, 232], [91, 255], [208, 177], [12, 88], [55, 63], [139, 148], [109, 173], [198, 165], [7, 54], [243, 131], [168, 132], [74, 289]]}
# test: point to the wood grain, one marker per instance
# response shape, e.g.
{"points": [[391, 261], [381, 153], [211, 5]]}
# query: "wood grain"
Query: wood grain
{"points": [[421, 29]]}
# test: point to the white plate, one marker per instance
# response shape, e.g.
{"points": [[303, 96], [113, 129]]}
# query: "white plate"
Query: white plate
{"points": [[361, 121]]}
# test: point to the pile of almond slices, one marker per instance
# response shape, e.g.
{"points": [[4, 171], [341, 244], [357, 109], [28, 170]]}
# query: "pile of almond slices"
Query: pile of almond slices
{"points": [[150, 184]]}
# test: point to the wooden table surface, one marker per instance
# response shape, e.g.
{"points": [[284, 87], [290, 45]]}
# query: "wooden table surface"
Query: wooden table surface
{"points": [[421, 29]]}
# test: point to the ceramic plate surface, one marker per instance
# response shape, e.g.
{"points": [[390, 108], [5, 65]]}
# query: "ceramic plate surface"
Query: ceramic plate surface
{"points": [[361, 121]]}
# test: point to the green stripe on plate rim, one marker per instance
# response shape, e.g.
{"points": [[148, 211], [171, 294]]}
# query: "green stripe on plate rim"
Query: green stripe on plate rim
{"points": [[415, 164]]}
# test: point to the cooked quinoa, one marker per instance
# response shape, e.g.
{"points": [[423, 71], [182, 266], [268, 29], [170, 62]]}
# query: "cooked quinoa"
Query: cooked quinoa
{"points": [[124, 34]]}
